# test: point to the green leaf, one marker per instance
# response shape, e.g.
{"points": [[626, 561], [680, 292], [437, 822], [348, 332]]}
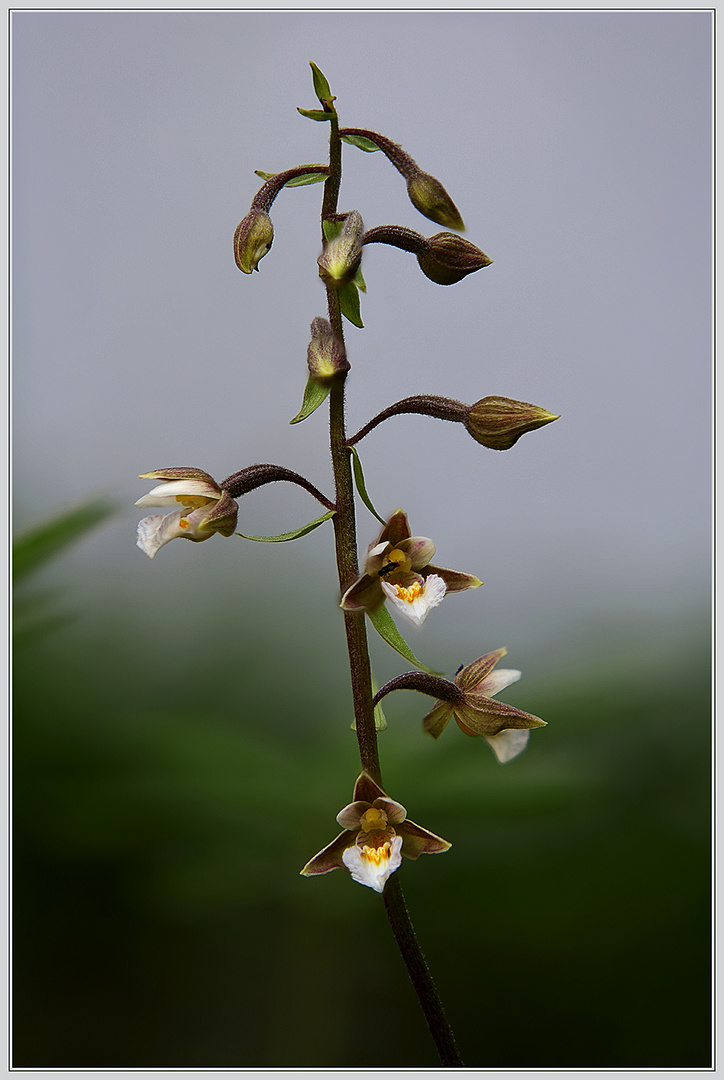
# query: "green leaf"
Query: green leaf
{"points": [[36, 546], [349, 304], [321, 86], [380, 718], [359, 281], [314, 395], [360, 142], [316, 114], [297, 181], [386, 628], [360, 482], [282, 538]]}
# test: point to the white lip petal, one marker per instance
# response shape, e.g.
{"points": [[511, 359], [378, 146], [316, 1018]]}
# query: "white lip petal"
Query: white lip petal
{"points": [[373, 870], [416, 608], [497, 681], [159, 529], [156, 531], [508, 744]]}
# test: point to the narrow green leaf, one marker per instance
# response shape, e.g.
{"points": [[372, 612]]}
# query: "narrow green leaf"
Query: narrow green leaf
{"points": [[315, 114], [360, 142], [349, 304], [307, 178], [297, 181], [38, 545], [314, 395], [321, 86], [359, 281], [294, 534], [385, 627], [360, 482]]}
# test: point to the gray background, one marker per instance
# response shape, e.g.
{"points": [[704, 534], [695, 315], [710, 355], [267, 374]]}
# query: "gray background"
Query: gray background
{"points": [[577, 146]]}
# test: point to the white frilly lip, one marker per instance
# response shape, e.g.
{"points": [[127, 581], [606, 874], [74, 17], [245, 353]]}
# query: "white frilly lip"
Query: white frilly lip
{"points": [[432, 593], [366, 871], [508, 744], [157, 530]]}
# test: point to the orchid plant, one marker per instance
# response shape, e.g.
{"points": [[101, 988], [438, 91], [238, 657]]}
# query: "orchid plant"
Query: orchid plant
{"points": [[398, 575]]}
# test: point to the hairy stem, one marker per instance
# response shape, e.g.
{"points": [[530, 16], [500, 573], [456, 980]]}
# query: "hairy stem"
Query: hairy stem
{"points": [[426, 404], [345, 534], [420, 975]]}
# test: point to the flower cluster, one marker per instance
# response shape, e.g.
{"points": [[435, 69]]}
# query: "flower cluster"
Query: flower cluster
{"points": [[398, 568]]}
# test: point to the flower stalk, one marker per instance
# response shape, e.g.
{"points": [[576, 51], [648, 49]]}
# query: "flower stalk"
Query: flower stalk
{"points": [[358, 651], [398, 575]]}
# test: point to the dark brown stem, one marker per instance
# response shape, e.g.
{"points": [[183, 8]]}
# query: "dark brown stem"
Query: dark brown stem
{"points": [[255, 476], [345, 533], [420, 975], [268, 192], [426, 404], [432, 685], [394, 153], [397, 236]]}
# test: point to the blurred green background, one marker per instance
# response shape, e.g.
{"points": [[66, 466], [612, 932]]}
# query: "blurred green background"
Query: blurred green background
{"points": [[179, 755]]}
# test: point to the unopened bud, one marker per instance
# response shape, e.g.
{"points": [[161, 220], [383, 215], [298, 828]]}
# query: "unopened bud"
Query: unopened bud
{"points": [[448, 258], [339, 262], [252, 240], [429, 197], [498, 422], [325, 353]]}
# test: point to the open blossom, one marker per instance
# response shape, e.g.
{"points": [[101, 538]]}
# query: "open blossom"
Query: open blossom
{"points": [[398, 569], [202, 509], [503, 727], [377, 833]]}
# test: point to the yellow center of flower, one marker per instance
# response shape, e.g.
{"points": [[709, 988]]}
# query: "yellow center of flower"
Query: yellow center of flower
{"points": [[183, 523], [373, 820], [409, 593], [376, 855]]}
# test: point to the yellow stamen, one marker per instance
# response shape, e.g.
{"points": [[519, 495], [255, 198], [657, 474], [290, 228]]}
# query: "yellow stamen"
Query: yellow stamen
{"points": [[183, 523], [377, 855], [409, 593]]}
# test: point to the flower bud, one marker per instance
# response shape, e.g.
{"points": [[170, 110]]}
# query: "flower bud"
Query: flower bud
{"points": [[432, 200], [325, 353], [252, 240], [498, 422], [448, 258], [339, 262]]}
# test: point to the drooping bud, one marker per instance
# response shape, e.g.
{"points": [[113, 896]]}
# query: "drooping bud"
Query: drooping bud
{"points": [[498, 422], [252, 240], [448, 258], [326, 355], [340, 259], [432, 200]]}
